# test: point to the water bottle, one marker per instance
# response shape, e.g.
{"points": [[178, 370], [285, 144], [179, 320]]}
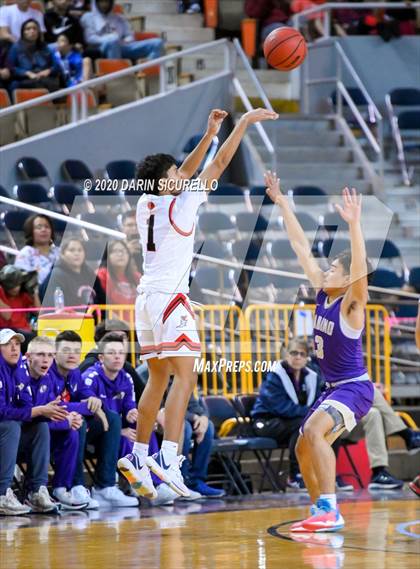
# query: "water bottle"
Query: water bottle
{"points": [[58, 299]]}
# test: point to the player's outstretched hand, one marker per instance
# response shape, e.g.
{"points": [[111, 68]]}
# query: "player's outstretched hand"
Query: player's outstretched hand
{"points": [[257, 115], [273, 188], [351, 209], [216, 117]]}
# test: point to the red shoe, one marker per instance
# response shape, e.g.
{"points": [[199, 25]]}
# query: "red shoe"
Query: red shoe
{"points": [[324, 519], [415, 486]]}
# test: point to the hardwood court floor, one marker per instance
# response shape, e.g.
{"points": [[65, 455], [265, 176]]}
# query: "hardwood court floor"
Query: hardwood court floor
{"points": [[246, 534]]}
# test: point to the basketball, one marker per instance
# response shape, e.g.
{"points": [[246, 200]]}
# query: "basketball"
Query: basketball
{"points": [[285, 49]]}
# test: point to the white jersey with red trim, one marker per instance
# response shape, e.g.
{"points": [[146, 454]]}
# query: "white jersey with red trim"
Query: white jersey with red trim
{"points": [[166, 226]]}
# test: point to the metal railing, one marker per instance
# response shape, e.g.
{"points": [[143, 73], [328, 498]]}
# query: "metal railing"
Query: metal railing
{"points": [[325, 11], [342, 62]]}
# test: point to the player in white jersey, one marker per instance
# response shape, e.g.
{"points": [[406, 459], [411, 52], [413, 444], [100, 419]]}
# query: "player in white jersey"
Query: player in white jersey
{"points": [[164, 318]]}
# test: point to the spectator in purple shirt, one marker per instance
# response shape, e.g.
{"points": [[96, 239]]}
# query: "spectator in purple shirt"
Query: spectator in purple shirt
{"points": [[20, 431]]}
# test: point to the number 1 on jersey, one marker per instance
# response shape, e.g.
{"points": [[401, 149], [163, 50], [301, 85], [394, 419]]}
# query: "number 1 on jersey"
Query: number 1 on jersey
{"points": [[150, 242]]}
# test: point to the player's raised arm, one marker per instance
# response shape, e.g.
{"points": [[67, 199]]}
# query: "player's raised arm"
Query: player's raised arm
{"points": [[356, 297], [297, 237], [193, 160], [226, 152]]}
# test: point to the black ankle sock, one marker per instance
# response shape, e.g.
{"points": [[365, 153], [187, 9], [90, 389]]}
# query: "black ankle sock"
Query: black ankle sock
{"points": [[405, 434], [377, 470]]}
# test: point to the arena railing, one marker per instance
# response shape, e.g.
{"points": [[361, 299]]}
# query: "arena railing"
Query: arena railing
{"points": [[167, 82], [326, 9]]}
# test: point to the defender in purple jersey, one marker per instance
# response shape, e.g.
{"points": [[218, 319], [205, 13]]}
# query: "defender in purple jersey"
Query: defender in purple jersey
{"points": [[339, 322]]}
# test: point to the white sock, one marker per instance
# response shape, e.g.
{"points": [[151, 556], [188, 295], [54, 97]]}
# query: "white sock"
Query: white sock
{"points": [[331, 499], [141, 450], [170, 451]]}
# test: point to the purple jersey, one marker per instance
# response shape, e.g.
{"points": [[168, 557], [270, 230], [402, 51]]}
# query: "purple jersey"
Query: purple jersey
{"points": [[338, 347]]}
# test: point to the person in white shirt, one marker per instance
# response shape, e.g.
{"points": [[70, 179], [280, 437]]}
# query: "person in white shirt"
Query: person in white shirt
{"points": [[165, 321], [12, 17]]}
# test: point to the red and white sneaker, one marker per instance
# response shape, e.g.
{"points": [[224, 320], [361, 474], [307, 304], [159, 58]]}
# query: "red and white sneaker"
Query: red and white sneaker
{"points": [[325, 518], [298, 527]]}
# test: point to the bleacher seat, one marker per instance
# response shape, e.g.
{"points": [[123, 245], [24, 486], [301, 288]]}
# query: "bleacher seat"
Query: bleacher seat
{"points": [[4, 193], [309, 196], [384, 249], [118, 91], [65, 193], [76, 99], [306, 220], [32, 170], [121, 170], [359, 100], [212, 278], [280, 250], [414, 278], [249, 222], [37, 119], [333, 222], [32, 193], [211, 222], [211, 248], [259, 197], [229, 197], [7, 124], [386, 278], [13, 223], [76, 171], [333, 247], [246, 250]]}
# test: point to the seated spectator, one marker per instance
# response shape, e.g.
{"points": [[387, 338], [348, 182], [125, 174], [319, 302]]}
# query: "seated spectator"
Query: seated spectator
{"points": [[117, 277], [5, 46], [107, 381], [22, 431], [13, 295], [75, 278], [379, 423], [113, 35], [79, 7], [39, 253], [129, 227], [66, 382], [63, 434], [74, 67], [31, 62], [13, 16], [120, 327], [313, 27], [272, 14], [59, 21], [285, 397], [198, 441]]}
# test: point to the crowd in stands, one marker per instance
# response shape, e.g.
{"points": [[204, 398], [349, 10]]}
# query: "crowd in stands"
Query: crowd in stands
{"points": [[387, 23], [56, 49]]}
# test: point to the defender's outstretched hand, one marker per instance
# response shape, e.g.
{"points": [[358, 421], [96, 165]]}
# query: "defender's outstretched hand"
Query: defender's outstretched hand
{"points": [[214, 123], [257, 115], [273, 188], [352, 206]]}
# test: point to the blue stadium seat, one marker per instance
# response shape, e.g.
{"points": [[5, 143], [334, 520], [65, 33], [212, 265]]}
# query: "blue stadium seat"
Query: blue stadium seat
{"points": [[31, 169], [258, 193], [332, 222], [121, 170], [249, 222], [65, 193], [211, 222], [404, 97], [4, 193], [306, 220], [355, 93], [385, 249], [211, 248], [246, 250], [281, 249], [32, 193], [386, 278], [334, 246], [309, 195], [76, 171], [14, 220], [414, 278]]}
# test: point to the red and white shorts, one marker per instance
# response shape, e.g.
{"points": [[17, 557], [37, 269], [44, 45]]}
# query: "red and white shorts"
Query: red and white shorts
{"points": [[165, 325]]}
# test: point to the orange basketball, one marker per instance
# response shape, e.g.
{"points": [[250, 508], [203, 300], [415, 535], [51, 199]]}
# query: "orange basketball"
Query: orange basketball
{"points": [[285, 48]]}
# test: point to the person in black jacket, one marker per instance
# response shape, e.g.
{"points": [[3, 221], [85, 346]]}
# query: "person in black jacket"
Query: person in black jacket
{"points": [[59, 21], [72, 274], [285, 396]]}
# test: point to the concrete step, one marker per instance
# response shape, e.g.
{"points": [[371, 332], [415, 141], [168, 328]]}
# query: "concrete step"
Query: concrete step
{"points": [[185, 35], [299, 154], [288, 137], [165, 20], [299, 123], [143, 7], [272, 90]]}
